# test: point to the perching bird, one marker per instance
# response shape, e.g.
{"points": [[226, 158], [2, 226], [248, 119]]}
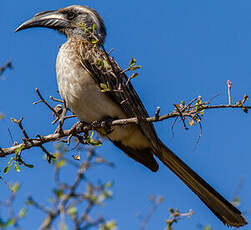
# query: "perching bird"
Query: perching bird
{"points": [[83, 69]]}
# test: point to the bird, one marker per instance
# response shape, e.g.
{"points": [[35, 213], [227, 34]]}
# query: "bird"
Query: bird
{"points": [[84, 68]]}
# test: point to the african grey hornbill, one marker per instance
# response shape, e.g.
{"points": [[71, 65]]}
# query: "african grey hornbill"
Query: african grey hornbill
{"points": [[82, 67]]}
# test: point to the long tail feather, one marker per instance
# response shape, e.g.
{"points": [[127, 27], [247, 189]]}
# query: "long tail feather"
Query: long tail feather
{"points": [[224, 210]]}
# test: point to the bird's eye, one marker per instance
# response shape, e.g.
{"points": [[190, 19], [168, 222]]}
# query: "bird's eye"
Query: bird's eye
{"points": [[70, 15]]}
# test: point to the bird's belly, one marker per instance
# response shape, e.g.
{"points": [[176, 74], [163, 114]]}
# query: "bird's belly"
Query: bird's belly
{"points": [[84, 97]]}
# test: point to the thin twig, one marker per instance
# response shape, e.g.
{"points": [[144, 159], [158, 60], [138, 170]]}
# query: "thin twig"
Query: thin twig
{"points": [[11, 137], [61, 120], [229, 85], [181, 115], [155, 204], [120, 122], [55, 99], [110, 51], [19, 122], [157, 113], [45, 102], [6, 66], [210, 99], [172, 126], [198, 139]]}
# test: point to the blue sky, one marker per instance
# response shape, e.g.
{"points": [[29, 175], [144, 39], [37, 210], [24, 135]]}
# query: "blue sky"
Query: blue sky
{"points": [[186, 48]]}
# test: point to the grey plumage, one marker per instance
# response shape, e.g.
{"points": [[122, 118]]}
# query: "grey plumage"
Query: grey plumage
{"points": [[81, 68]]}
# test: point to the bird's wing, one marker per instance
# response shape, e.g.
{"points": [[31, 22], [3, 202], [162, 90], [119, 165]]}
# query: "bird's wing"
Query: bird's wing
{"points": [[110, 78], [95, 60]]}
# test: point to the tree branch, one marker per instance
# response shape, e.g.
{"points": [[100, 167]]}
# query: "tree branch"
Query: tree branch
{"points": [[75, 130]]}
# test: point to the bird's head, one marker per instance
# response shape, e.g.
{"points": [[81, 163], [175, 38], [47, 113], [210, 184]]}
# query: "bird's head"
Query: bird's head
{"points": [[73, 21]]}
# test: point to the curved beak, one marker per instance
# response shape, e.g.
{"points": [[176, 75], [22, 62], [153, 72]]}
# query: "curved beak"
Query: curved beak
{"points": [[50, 19]]}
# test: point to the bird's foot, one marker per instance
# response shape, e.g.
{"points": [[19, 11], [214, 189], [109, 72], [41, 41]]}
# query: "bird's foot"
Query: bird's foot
{"points": [[105, 125]]}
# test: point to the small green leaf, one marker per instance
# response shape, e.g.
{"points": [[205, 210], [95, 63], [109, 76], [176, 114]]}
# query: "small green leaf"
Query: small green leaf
{"points": [[61, 163], [7, 169], [93, 27], [58, 192], [91, 134], [207, 227], [105, 87], [10, 160], [95, 142], [29, 201], [106, 65], [15, 187], [135, 67], [93, 198], [171, 210], [236, 201], [10, 222], [99, 62], [19, 149], [72, 211], [132, 62], [198, 106], [63, 226], [22, 212], [191, 122], [17, 167], [108, 184], [2, 116], [108, 225]]}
